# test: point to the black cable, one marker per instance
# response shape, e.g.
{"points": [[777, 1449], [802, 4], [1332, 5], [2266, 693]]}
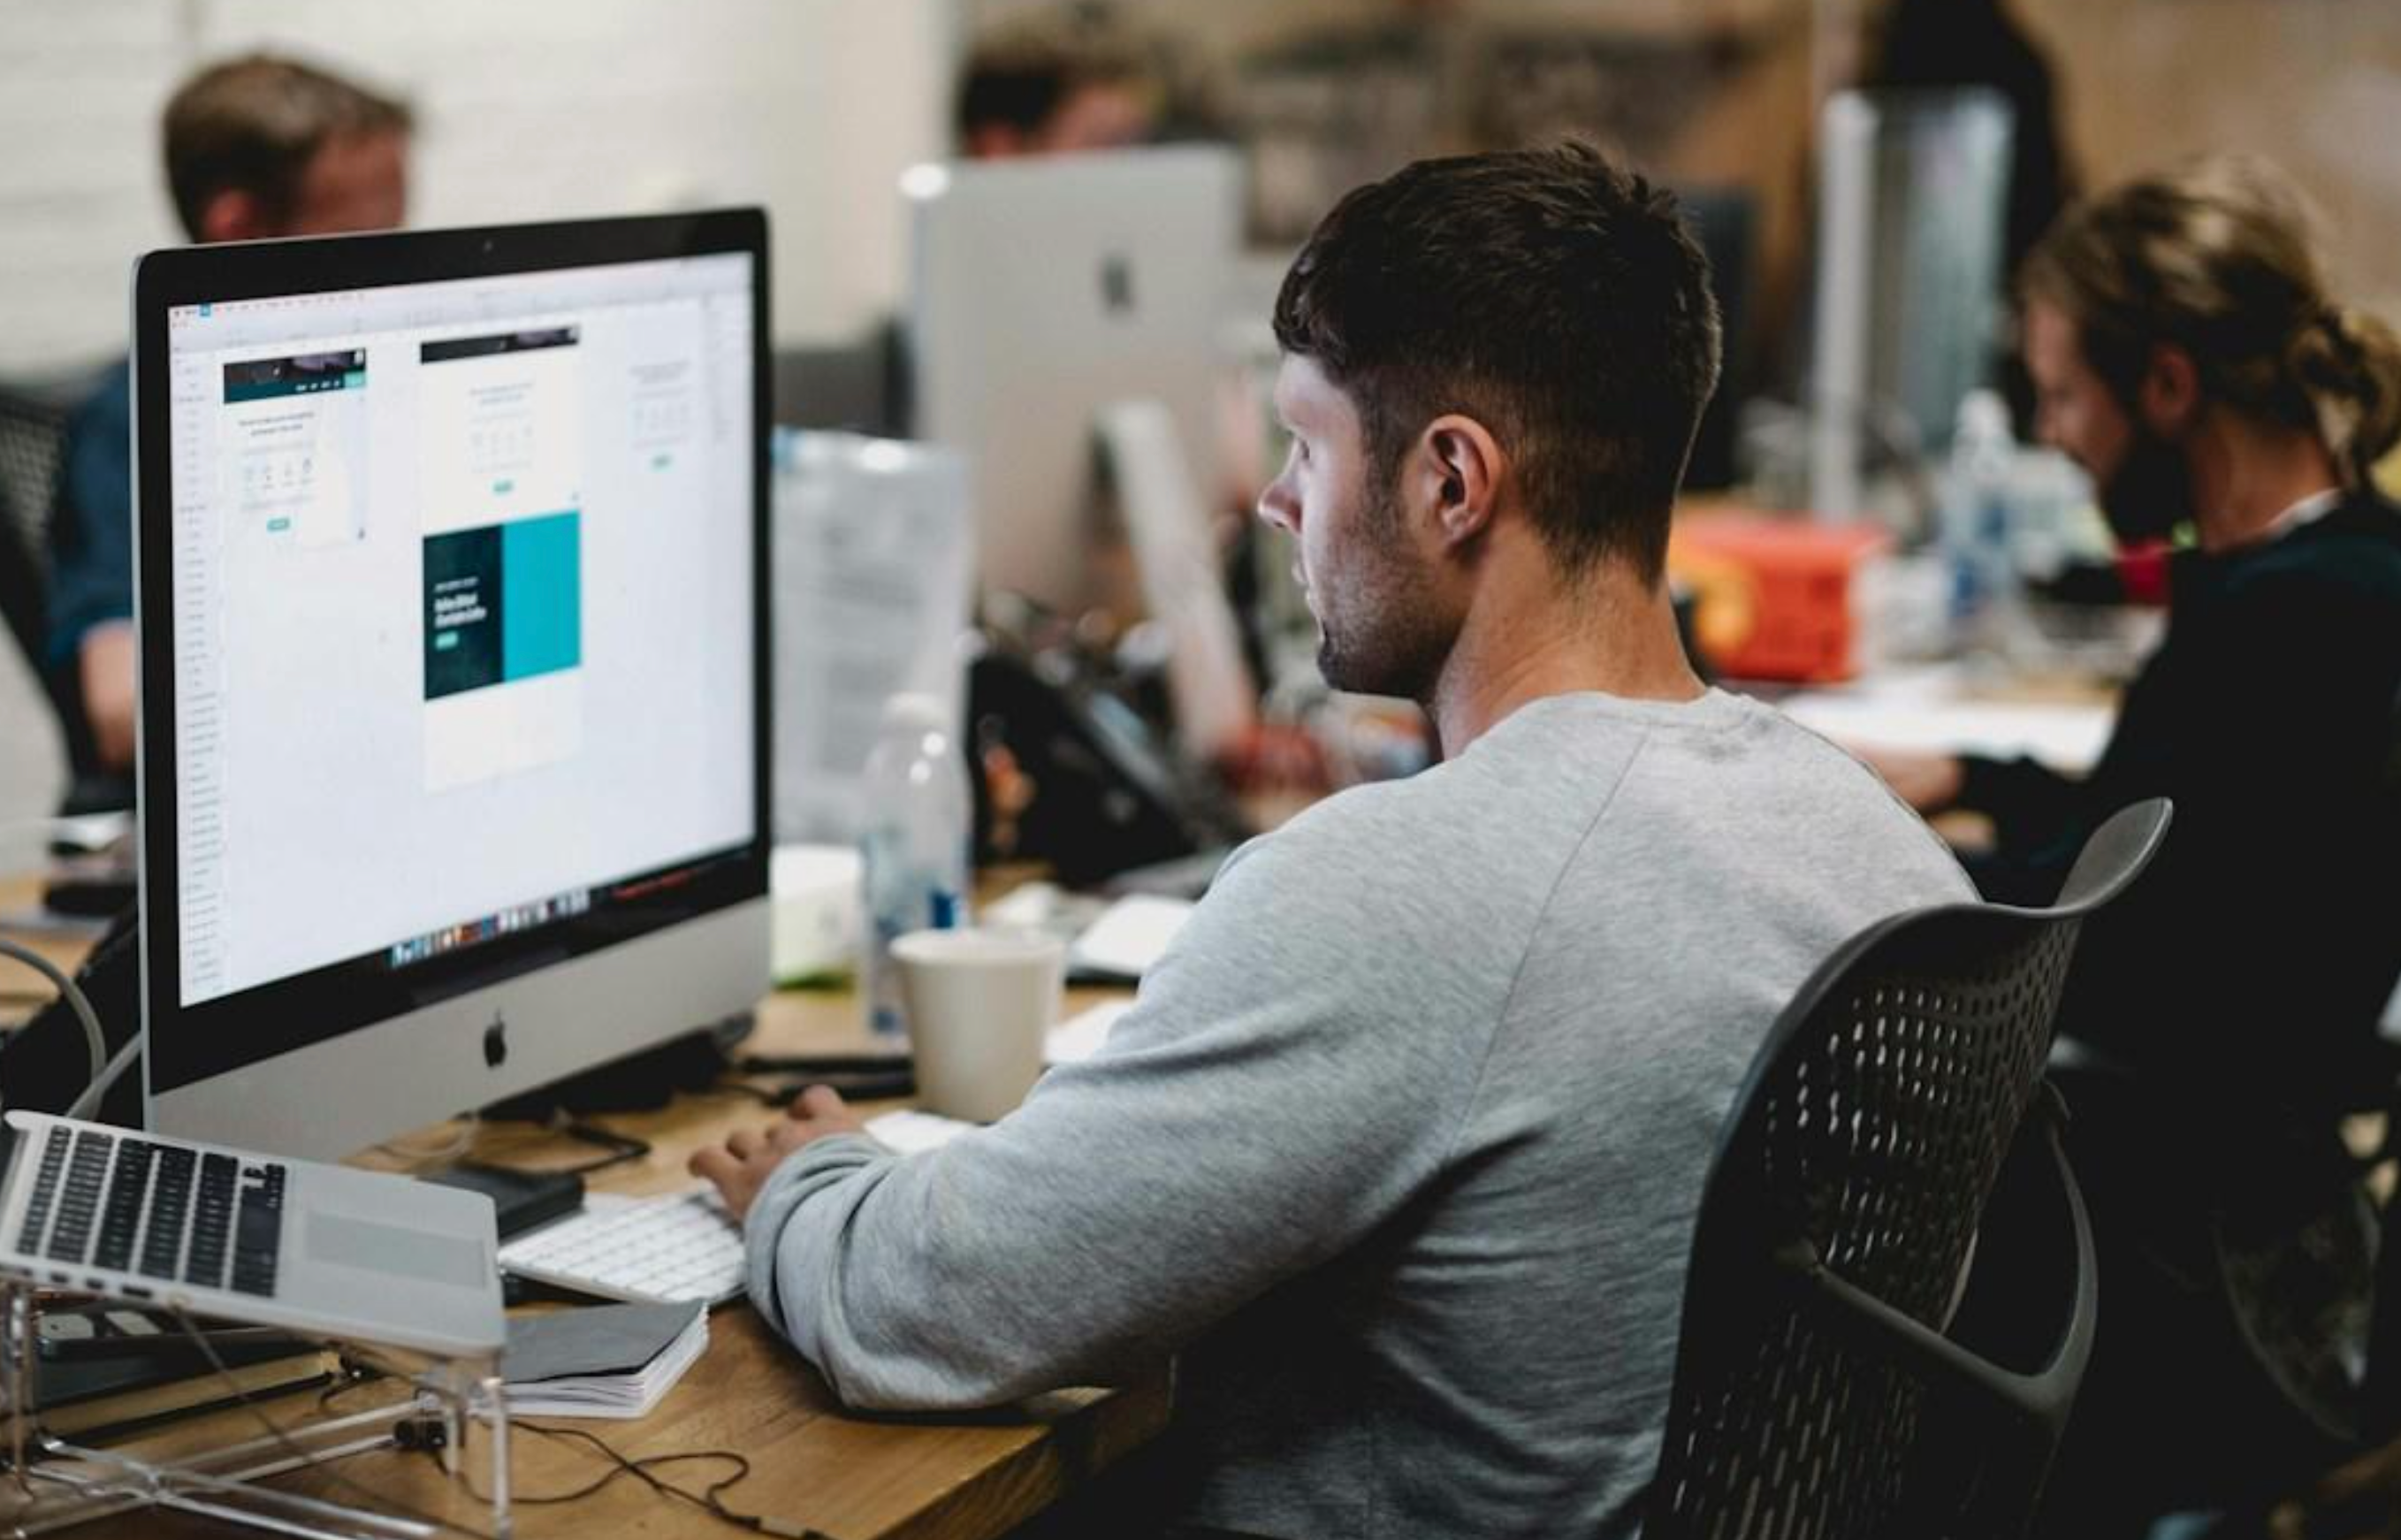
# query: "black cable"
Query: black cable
{"points": [[822, 1063], [95, 1040], [710, 1499], [864, 1086], [622, 1149], [293, 1447]]}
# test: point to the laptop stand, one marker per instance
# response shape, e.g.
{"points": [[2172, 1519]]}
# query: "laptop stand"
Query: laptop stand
{"points": [[51, 1484]]}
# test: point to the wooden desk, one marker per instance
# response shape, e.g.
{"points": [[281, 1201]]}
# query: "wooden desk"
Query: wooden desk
{"points": [[850, 1476]]}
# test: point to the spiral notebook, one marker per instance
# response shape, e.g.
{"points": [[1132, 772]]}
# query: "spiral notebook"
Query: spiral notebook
{"points": [[604, 1361]]}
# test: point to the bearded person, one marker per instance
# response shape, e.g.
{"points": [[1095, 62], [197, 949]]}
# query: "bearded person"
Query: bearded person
{"points": [[2222, 1019], [1398, 1153]]}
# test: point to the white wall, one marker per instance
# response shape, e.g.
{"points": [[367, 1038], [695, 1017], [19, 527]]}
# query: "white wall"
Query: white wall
{"points": [[528, 109]]}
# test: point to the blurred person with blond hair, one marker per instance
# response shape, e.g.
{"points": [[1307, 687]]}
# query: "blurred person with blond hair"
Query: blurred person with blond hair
{"points": [[2221, 1019]]}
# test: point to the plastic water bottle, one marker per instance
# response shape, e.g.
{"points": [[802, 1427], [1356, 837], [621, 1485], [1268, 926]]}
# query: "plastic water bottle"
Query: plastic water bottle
{"points": [[913, 843], [1975, 526]]}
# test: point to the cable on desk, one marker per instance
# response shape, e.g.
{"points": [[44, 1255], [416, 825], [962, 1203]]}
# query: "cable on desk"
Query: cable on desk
{"points": [[872, 1087], [710, 1499], [622, 1149], [859, 1077], [95, 1038], [459, 1144], [408, 1434], [309, 1459]]}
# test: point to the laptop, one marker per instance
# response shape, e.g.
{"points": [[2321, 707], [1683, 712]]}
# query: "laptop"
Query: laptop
{"points": [[319, 1250]]}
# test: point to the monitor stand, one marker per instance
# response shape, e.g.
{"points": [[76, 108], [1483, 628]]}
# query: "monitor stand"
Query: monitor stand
{"points": [[1166, 516], [640, 1083]]}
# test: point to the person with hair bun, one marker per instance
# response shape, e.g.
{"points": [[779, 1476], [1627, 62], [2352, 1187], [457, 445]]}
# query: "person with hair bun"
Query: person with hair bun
{"points": [[2222, 1018]]}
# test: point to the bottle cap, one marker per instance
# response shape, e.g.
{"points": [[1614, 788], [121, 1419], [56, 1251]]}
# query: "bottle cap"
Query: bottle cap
{"points": [[1982, 415]]}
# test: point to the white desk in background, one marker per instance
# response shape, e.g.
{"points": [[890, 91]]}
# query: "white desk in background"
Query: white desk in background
{"points": [[1937, 708]]}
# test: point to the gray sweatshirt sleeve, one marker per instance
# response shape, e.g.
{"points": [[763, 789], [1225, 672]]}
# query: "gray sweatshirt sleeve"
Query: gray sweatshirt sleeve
{"points": [[1273, 1096]]}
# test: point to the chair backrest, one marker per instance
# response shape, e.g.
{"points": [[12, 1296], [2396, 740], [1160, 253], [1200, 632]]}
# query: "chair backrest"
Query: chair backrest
{"points": [[24, 588], [1815, 1387], [33, 457], [33, 466]]}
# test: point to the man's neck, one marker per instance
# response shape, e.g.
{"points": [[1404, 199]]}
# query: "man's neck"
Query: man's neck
{"points": [[2246, 474], [1614, 636]]}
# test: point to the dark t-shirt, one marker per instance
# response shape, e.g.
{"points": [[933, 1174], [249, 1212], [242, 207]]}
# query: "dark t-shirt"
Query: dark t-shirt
{"points": [[2247, 969]]}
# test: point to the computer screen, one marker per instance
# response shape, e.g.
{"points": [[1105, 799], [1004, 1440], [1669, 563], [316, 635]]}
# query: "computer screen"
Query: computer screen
{"points": [[454, 689]]}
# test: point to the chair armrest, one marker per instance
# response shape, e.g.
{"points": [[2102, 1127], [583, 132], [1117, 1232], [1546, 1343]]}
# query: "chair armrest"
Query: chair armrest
{"points": [[2042, 1394]]}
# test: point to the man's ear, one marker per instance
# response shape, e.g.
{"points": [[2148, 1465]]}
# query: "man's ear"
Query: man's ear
{"points": [[2170, 392], [1460, 465]]}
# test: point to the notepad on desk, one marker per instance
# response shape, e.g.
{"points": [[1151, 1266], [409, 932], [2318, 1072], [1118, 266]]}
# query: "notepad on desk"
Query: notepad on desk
{"points": [[1108, 941], [1131, 934], [606, 1361]]}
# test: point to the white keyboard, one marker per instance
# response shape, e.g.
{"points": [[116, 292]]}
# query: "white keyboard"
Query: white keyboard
{"points": [[682, 1247]]}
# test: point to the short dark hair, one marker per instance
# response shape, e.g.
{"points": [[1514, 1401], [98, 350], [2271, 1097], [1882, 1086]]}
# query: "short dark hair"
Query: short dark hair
{"points": [[1554, 297], [1020, 76], [255, 122]]}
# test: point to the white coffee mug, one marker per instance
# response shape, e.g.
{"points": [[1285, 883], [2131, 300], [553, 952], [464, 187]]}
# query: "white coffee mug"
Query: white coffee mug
{"points": [[981, 1004]]}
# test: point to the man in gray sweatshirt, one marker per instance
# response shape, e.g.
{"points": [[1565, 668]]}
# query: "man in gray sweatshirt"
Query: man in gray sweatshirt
{"points": [[1399, 1149]]}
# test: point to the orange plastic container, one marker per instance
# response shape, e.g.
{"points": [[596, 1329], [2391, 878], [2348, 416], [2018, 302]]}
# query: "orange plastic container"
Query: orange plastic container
{"points": [[1775, 597]]}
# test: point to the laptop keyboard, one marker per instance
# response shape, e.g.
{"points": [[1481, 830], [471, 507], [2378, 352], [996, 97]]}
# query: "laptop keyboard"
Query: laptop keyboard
{"points": [[129, 1205]]}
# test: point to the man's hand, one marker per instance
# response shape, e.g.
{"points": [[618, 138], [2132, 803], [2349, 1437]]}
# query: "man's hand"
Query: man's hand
{"points": [[740, 1166], [2361, 1501], [1928, 782], [107, 667]]}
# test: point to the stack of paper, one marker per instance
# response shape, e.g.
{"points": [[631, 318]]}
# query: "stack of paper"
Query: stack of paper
{"points": [[607, 1361], [1081, 1035], [906, 1131], [1131, 934]]}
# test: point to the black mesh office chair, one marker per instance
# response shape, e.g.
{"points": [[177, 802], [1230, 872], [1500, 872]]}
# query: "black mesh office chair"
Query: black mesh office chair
{"points": [[23, 591], [1842, 1372], [32, 455], [32, 445], [33, 463]]}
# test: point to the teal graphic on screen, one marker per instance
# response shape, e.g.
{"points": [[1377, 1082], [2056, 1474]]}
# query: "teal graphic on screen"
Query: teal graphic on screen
{"points": [[502, 602]]}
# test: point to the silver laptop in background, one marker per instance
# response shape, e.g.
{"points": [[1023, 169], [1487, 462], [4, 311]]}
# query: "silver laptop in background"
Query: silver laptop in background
{"points": [[319, 1250]]}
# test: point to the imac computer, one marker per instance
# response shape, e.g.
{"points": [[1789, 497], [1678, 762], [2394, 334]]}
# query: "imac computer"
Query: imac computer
{"points": [[1065, 328], [452, 597], [1043, 291]]}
